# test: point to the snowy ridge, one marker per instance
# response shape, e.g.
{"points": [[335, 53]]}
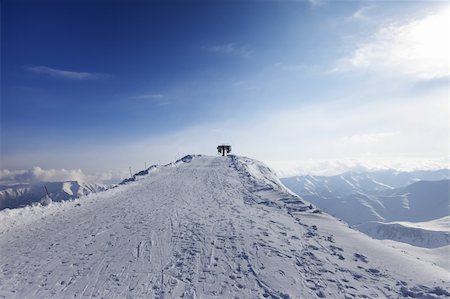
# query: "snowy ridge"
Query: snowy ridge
{"points": [[154, 168], [430, 234], [440, 225], [265, 187], [208, 227]]}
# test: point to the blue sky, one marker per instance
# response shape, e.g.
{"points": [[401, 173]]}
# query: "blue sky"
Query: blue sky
{"points": [[102, 85]]}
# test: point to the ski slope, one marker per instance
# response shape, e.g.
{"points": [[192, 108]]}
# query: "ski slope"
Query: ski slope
{"points": [[203, 227]]}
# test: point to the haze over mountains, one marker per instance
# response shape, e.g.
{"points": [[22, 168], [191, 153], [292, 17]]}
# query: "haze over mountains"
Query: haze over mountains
{"points": [[201, 227], [376, 201]]}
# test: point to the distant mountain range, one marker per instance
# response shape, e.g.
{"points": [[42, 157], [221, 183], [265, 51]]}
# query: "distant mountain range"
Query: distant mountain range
{"points": [[379, 197], [24, 194], [19, 195], [352, 182]]}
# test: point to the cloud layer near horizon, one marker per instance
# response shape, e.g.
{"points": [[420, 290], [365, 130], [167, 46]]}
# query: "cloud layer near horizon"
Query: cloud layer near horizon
{"points": [[38, 174], [339, 130], [335, 167], [283, 168]]}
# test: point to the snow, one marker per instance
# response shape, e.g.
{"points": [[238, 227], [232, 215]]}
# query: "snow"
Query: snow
{"points": [[441, 225], [208, 227], [67, 188], [437, 256], [19, 195], [367, 200], [430, 234]]}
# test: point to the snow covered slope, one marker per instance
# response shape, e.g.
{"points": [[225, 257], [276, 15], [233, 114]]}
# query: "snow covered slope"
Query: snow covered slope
{"points": [[19, 195], [207, 227], [429, 234], [437, 256]]}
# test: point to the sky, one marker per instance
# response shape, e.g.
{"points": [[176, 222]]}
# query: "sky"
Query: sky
{"points": [[91, 88]]}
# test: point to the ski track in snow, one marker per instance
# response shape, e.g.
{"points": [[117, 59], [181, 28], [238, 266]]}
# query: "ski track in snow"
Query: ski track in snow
{"points": [[202, 229]]}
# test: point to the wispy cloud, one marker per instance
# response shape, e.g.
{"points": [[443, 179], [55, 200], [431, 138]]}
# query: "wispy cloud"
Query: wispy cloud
{"points": [[64, 74], [152, 96], [157, 98], [417, 49], [229, 49], [361, 13]]}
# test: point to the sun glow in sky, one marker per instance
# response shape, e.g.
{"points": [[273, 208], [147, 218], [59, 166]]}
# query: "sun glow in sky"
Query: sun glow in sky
{"points": [[418, 48], [94, 87]]}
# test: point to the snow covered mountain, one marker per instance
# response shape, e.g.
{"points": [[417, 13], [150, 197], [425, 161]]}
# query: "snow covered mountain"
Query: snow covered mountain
{"points": [[358, 198], [360, 182], [19, 195], [207, 227]]}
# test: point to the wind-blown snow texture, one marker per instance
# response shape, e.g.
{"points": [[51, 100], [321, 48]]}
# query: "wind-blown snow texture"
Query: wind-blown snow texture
{"points": [[205, 227]]}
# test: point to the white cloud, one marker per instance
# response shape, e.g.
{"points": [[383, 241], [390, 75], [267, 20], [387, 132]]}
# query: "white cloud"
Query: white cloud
{"points": [[37, 174], [417, 49], [368, 138], [335, 167], [57, 73], [229, 49]]}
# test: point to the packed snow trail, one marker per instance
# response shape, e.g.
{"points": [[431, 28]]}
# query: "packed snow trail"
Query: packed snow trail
{"points": [[202, 227]]}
